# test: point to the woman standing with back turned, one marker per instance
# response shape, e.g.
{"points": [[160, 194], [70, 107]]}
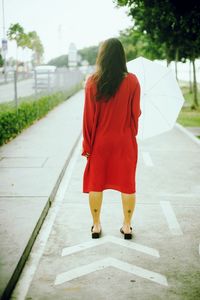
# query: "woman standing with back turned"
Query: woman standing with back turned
{"points": [[110, 126]]}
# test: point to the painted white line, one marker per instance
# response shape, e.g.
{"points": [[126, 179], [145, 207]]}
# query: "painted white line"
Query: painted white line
{"points": [[188, 133], [199, 249], [184, 195], [111, 239], [147, 159], [31, 265], [150, 275], [81, 271], [171, 218], [113, 262]]}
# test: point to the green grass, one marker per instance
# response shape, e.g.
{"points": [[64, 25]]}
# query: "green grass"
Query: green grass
{"points": [[189, 117]]}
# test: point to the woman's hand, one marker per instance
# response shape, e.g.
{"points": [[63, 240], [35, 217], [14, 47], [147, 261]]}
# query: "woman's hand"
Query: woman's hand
{"points": [[87, 154]]}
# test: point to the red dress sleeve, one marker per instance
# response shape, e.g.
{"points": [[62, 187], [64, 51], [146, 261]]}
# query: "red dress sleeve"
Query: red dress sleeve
{"points": [[88, 118], [136, 110]]}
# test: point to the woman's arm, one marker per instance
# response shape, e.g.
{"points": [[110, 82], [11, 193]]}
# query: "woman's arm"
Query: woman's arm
{"points": [[136, 110], [88, 119]]}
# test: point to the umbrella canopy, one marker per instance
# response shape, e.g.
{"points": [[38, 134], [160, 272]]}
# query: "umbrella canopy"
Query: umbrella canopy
{"points": [[161, 98]]}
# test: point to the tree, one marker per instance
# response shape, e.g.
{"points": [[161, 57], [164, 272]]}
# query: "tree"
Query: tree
{"points": [[61, 61], [137, 43], [34, 43], [189, 19], [174, 25], [16, 33], [89, 54], [24, 40], [1, 61]]}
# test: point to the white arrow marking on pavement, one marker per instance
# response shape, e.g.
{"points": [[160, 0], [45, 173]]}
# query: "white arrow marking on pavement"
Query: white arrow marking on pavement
{"points": [[110, 262], [111, 239], [171, 218], [147, 159]]}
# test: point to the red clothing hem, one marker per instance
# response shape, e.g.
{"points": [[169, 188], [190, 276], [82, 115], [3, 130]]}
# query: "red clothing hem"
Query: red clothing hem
{"points": [[110, 187]]}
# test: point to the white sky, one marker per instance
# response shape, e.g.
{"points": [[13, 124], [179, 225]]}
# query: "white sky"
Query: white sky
{"points": [[60, 22]]}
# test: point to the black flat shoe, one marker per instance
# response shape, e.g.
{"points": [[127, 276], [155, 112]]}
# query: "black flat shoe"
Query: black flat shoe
{"points": [[127, 236], [95, 235]]}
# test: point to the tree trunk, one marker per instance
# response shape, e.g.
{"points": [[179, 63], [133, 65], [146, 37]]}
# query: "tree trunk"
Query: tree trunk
{"points": [[176, 61], [190, 77], [37, 58], [167, 58], [195, 99], [17, 59], [168, 63]]}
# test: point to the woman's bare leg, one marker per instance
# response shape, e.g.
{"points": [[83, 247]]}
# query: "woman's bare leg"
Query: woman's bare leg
{"points": [[128, 203], [95, 200]]}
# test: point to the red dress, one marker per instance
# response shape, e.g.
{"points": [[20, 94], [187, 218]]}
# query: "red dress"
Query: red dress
{"points": [[109, 135]]}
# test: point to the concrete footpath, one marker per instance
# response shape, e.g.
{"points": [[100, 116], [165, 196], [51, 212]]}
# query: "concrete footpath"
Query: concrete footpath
{"points": [[162, 261], [31, 168]]}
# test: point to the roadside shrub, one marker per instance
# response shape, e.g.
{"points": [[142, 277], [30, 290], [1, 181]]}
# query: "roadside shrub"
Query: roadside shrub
{"points": [[13, 120]]}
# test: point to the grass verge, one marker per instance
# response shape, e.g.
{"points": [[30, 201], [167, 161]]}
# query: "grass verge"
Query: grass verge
{"points": [[189, 117]]}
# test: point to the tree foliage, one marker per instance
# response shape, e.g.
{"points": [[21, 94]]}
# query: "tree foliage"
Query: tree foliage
{"points": [[16, 33], [24, 40], [35, 44], [61, 61], [172, 24], [1, 61], [137, 43], [89, 54]]}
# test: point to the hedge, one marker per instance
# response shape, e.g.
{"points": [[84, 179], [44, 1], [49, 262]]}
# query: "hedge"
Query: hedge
{"points": [[13, 121]]}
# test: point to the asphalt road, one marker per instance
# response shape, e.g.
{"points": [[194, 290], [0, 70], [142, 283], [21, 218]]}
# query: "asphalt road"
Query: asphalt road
{"points": [[24, 88]]}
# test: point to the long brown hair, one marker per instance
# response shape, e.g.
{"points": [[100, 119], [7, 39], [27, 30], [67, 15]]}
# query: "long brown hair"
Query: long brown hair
{"points": [[110, 68]]}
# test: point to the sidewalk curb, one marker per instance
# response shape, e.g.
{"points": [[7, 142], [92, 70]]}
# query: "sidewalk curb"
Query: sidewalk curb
{"points": [[188, 133], [15, 276]]}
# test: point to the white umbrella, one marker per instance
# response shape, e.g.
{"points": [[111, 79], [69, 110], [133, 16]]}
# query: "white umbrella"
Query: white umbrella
{"points": [[161, 98]]}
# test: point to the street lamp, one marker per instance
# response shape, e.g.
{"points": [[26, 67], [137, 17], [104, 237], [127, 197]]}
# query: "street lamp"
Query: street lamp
{"points": [[4, 43]]}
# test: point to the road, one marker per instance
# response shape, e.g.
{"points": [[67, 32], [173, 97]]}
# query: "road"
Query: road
{"points": [[61, 80], [24, 88]]}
